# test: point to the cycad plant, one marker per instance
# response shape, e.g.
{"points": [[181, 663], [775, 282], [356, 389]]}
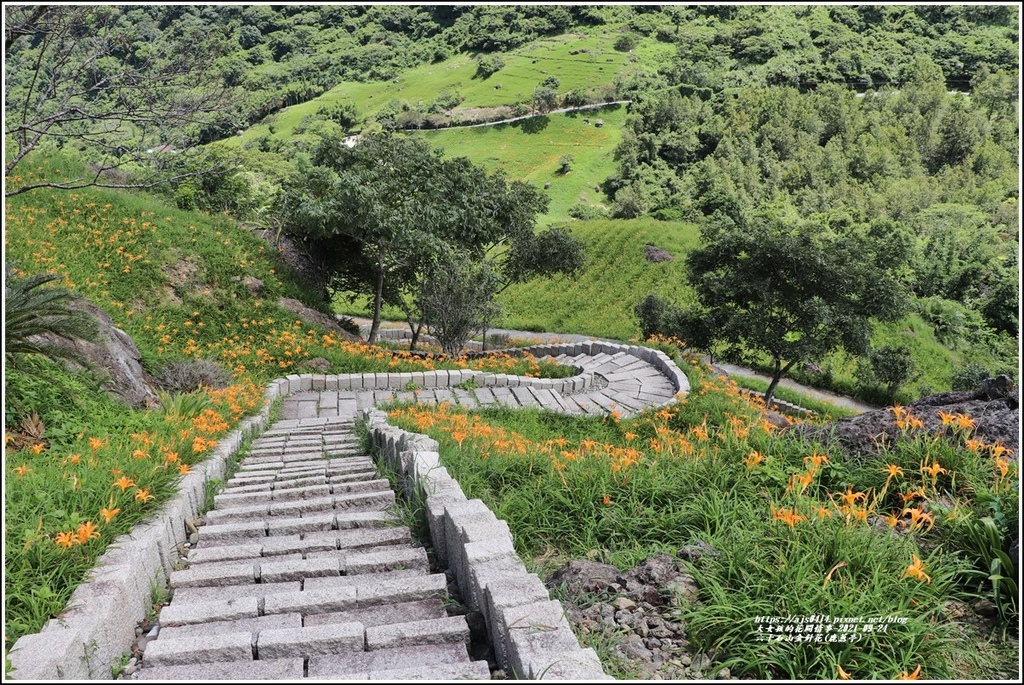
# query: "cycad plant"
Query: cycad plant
{"points": [[33, 308]]}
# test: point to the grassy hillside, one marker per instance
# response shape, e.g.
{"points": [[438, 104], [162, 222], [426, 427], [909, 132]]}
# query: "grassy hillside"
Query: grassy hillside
{"points": [[600, 301], [81, 468], [530, 150], [577, 60]]}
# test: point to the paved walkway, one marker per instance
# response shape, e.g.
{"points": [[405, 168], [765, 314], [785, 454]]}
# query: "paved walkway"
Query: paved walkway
{"points": [[401, 330], [302, 570]]}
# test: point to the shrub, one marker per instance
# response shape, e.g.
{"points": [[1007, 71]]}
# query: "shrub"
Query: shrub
{"points": [[588, 212], [342, 113], [575, 98], [188, 375], [968, 375], [348, 325], [486, 65], [626, 42], [650, 313], [890, 367]]}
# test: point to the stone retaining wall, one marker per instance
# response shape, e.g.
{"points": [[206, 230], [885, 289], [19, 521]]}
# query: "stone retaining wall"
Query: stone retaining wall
{"points": [[529, 631]]}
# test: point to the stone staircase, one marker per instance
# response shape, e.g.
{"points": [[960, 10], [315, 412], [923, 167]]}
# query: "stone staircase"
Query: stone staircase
{"points": [[302, 571]]}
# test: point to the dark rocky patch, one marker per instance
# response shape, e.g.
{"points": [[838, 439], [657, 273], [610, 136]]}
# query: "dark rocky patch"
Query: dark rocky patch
{"points": [[656, 255], [993, 406], [636, 609]]}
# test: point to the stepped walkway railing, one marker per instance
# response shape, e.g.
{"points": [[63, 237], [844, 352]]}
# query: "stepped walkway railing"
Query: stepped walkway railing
{"points": [[301, 569]]}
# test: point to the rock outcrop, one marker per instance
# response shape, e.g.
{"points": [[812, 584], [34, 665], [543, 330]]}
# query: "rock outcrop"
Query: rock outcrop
{"points": [[993, 407], [313, 316], [113, 357]]}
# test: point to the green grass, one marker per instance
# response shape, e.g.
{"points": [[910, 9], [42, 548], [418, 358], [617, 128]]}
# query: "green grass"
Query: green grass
{"points": [[600, 301], [530, 150], [625, 490]]}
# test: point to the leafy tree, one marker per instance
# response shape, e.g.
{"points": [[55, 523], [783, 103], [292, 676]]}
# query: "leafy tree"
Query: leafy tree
{"points": [[343, 113], [456, 298], [565, 163], [891, 366], [650, 314], [88, 77], [793, 290], [380, 212], [488, 65]]}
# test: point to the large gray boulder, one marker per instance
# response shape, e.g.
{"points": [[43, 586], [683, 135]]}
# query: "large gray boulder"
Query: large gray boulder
{"points": [[113, 356]]}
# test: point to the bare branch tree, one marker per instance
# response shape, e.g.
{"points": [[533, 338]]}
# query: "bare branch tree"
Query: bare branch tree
{"points": [[83, 77]]}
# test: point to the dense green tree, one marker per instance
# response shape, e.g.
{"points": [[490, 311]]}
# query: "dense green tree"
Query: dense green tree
{"points": [[793, 290], [378, 214], [891, 367]]}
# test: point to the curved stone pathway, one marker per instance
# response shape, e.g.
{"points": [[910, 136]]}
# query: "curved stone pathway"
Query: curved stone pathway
{"points": [[302, 570]]}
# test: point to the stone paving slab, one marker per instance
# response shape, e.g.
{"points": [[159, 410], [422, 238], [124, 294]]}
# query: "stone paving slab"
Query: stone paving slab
{"points": [[189, 650], [198, 595], [381, 660], [381, 615], [277, 621], [276, 669], [431, 631], [307, 641]]}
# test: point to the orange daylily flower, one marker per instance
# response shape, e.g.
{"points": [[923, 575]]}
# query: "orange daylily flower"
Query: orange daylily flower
{"points": [[143, 494], [753, 459], [109, 514], [817, 460], [124, 482], [87, 531], [893, 471], [183, 469], [974, 445], [95, 443], [850, 497], [964, 422], [843, 675], [22, 470], [998, 450], [913, 494], [911, 676], [787, 516], [916, 570], [65, 539], [919, 517]]}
